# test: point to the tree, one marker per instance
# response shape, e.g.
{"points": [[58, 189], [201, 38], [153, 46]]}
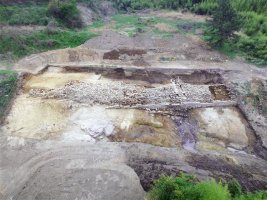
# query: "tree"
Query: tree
{"points": [[225, 22]]}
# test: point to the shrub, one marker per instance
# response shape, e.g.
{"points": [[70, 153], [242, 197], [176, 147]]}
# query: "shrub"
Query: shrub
{"points": [[210, 190], [66, 12], [205, 7], [234, 188], [170, 188], [185, 187], [254, 46], [254, 23]]}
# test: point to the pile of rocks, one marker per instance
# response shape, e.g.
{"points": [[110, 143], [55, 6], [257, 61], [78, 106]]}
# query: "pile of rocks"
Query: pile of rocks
{"points": [[126, 94]]}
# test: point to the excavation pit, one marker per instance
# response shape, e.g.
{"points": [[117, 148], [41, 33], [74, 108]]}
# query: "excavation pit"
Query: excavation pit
{"points": [[118, 104], [220, 92]]}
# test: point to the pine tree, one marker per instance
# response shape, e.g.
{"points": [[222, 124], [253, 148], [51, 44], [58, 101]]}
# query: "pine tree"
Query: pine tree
{"points": [[225, 22]]}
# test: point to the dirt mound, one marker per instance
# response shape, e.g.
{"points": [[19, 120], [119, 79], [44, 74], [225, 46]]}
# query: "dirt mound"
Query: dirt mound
{"points": [[38, 62]]}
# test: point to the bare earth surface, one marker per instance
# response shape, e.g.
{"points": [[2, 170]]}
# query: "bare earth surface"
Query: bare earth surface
{"points": [[103, 120]]}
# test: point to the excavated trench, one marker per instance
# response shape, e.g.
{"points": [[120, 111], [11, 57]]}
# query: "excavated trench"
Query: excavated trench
{"points": [[183, 109], [161, 75], [188, 110]]}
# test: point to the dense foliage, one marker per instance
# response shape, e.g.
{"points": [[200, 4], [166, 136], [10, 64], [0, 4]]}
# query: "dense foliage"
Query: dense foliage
{"points": [[185, 187], [142, 4], [66, 12], [225, 22]]}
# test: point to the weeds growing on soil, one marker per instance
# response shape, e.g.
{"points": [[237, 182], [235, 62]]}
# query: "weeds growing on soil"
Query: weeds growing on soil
{"points": [[28, 14], [22, 45], [8, 81]]}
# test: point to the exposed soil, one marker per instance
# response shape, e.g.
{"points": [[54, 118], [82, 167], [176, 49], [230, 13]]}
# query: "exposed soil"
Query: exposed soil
{"points": [[117, 54], [219, 166], [220, 92]]}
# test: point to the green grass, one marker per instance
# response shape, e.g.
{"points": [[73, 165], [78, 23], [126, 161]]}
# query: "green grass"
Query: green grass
{"points": [[8, 81], [131, 25], [22, 45], [229, 50], [25, 14], [162, 34], [97, 24]]}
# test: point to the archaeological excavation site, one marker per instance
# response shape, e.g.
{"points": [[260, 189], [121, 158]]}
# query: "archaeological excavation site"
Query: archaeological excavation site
{"points": [[104, 120]]}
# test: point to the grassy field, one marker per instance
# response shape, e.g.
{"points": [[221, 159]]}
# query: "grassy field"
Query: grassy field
{"points": [[22, 45], [132, 25]]}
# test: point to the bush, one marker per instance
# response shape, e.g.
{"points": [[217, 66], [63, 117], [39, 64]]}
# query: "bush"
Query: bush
{"points": [[66, 12], [210, 190], [254, 23], [185, 187], [234, 188], [170, 188], [205, 7], [254, 46]]}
